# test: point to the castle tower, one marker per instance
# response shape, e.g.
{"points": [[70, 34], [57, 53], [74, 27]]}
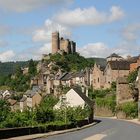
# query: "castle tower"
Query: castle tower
{"points": [[55, 42]]}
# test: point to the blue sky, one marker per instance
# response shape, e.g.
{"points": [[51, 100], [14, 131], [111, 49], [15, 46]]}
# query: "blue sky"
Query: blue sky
{"points": [[99, 27]]}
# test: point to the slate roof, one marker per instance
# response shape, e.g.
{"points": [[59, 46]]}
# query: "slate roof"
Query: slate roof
{"points": [[68, 76], [23, 99], [119, 65], [114, 55], [30, 93], [83, 96], [101, 62], [134, 59], [79, 74]]}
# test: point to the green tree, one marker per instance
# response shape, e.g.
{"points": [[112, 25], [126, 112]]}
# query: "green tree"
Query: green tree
{"points": [[32, 68], [4, 109], [132, 76]]}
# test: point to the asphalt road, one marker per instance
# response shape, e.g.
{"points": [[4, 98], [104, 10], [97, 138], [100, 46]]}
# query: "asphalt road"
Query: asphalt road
{"points": [[107, 129]]}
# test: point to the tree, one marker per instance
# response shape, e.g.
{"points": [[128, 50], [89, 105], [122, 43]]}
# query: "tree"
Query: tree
{"points": [[32, 68], [18, 71], [4, 109], [132, 76]]}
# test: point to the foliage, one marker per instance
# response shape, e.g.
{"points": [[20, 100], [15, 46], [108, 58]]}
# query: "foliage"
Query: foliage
{"points": [[4, 109], [17, 96], [129, 108], [19, 82], [32, 68], [44, 112], [71, 114], [71, 62], [132, 76], [7, 68], [108, 102], [101, 93]]}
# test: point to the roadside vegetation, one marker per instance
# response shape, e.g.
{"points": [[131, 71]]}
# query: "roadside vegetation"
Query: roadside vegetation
{"points": [[43, 114]]}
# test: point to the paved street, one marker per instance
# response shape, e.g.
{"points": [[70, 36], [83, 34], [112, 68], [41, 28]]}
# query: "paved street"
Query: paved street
{"points": [[107, 129]]}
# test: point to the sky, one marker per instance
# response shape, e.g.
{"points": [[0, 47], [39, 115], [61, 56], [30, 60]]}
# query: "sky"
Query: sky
{"points": [[99, 27]]}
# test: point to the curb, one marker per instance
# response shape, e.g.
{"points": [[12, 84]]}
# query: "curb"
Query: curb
{"points": [[115, 118], [45, 135]]}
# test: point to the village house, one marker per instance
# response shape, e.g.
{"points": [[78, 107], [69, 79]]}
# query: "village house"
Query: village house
{"points": [[23, 103], [98, 75], [14, 104], [134, 62], [123, 91], [33, 98], [74, 98], [115, 69]]}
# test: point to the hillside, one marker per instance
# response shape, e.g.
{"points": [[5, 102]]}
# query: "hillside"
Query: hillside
{"points": [[10, 67]]}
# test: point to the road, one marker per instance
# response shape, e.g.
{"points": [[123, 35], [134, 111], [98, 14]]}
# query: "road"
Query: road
{"points": [[107, 129]]}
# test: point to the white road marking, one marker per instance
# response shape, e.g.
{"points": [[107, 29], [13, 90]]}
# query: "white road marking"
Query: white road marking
{"points": [[96, 137]]}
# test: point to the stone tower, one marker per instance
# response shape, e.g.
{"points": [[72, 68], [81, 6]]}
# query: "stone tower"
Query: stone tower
{"points": [[55, 42]]}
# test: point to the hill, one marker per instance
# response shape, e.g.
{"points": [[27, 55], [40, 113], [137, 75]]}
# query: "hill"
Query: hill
{"points": [[7, 68]]}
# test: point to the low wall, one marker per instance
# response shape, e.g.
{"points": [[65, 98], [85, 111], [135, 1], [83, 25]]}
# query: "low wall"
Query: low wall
{"points": [[14, 132], [103, 111], [121, 115]]}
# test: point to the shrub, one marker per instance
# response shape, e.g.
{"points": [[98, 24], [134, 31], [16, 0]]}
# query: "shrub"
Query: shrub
{"points": [[129, 108], [108, 102]]}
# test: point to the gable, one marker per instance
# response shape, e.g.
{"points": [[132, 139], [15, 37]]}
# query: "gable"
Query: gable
{"points": [[74, 99]]}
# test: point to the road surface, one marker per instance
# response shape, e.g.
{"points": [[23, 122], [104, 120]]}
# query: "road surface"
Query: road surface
{"points": [[107, 129]]}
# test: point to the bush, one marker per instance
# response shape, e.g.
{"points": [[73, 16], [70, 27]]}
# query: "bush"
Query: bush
{"points": [[129, 108], [108, 102]]}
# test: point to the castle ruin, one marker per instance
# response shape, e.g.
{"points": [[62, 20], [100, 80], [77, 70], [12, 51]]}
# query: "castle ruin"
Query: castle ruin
{"points": [[61, 44]]}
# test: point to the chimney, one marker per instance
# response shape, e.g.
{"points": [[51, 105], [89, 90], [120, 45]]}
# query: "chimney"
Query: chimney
{"points": [[83, 89], [87, 92]]}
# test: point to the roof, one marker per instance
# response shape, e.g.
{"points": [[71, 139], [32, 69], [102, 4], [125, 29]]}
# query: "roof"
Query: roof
{"points": [[119, 65], [133, 59], [60, 77], [23, 99], [30, 93], [101, 62], [79, 74], [83, 96], [12, 101], [114, 55], [68, 76]]}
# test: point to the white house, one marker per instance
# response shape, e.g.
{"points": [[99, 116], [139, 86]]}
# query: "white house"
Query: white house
{"points": [[73, 98]]}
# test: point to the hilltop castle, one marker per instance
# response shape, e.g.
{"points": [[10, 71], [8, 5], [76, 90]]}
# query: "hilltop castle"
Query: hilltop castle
{"points": [[61, 44]]}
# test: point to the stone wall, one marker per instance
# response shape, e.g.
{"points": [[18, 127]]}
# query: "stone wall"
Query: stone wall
{"points": [[124, 92], [103, 111]]}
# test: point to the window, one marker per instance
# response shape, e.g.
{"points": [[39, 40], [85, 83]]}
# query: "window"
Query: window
{"points": [[98, 80]]}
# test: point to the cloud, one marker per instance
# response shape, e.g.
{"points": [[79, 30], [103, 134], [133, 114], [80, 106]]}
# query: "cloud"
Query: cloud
{"points": [[28, 5], [7, 56], [98, 49], [44, 33], [102, 50], [131, 32], [88, 16]]}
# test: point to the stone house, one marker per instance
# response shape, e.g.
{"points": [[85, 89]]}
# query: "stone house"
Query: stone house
{"points": [[134, 62], [98, 76], [115, 69], [123, 91], [33, 98], [114, 57], [13, 104], [23, 103]]}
